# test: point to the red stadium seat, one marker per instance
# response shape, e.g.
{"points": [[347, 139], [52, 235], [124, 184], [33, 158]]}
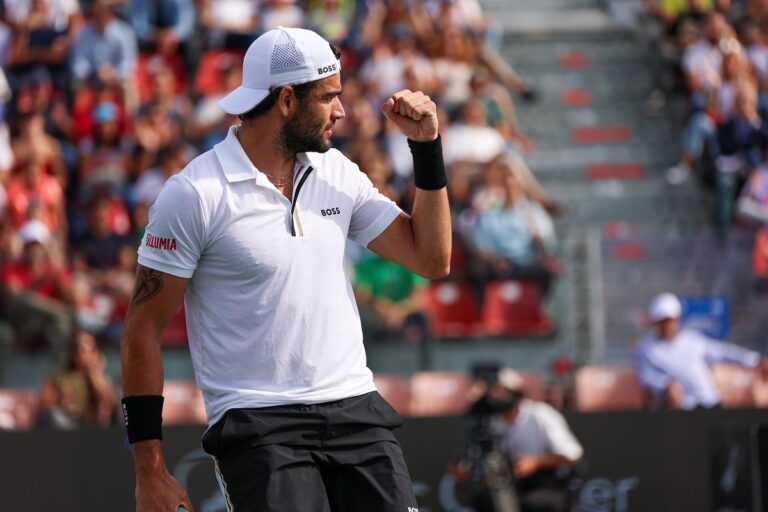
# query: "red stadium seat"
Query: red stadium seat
{"points": [[760, 255], [603, 388], [453, 310], [534, 385], [146, 67], [760, 390], [183, 403], [513, 308], [440, 394], [18, 409], [736, 385], [175, 334], [209, 80], [395, 389]]}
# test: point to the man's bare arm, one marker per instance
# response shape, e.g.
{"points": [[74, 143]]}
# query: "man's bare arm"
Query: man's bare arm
{"points": [[420, 242], [156, 298]]}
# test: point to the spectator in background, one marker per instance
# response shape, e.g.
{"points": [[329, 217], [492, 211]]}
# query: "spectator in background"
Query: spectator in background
{"points": [[6, 154], [35, 194], [391, 299], [741, 143], [37, 293], [517, 240], [101, 253], [106, 49], [40, 39], [454, 62], [162, 26], [33, 142], [281, 13], [536, 441], [332, 19], [103, 158], [670, 355], [170, 160], [701, 67], [471, 139], [229, 23], [757, 53], [80, 393], [500, 109]]}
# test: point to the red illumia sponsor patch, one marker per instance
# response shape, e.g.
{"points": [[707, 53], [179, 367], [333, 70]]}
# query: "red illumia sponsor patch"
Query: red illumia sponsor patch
{"points": [[157, 242]]}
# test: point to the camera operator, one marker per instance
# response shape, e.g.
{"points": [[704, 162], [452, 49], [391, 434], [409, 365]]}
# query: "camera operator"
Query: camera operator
{"points": [[531, 437]]}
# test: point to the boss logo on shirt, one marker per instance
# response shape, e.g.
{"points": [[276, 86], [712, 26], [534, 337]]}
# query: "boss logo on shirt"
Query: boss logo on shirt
{"points": [[330, 211], [326, 69], [158, 242]]}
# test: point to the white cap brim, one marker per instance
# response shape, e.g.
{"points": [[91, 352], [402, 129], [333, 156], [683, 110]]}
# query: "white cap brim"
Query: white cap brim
{"points": [[241, 100]]}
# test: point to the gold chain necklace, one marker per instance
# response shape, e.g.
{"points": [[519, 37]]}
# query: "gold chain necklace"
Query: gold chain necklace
{"points": [[278, 182]]}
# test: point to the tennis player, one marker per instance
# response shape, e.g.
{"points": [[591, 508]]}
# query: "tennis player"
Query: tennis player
{"points": [[251, 235]]}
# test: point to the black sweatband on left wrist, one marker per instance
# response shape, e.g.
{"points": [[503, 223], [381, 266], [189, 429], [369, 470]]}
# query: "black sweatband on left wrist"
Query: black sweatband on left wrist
{"points": [[428, 165], [143, 417]]}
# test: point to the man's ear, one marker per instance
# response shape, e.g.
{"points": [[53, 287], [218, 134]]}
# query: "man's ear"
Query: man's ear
{"points": [[287, 101]]}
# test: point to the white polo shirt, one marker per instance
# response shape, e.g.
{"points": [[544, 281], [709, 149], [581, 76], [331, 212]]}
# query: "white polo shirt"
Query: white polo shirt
{"points": [[539, 429], [271, 317]]}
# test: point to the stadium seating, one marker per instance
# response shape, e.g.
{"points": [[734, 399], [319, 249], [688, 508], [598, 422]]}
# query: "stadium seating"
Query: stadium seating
{"points": [[183, 403], [453, 310], [175, 334], [534, 385], [513, 308], [18, 408], [209, 80], [395, 390], [604, 388], [735, 384], [440, 394], [760, 254]]}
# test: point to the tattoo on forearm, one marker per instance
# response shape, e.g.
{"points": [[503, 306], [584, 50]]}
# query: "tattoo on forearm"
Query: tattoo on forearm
{"points": [[149, 282]]}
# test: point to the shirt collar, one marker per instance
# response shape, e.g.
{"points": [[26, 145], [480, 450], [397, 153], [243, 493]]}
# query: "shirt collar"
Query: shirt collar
{"points": [[236, 164]]}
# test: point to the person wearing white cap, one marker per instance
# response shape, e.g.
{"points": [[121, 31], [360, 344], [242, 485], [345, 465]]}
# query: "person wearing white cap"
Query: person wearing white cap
{"points": [[534, 439], [38, 294], [670, 354], [252, 235]]}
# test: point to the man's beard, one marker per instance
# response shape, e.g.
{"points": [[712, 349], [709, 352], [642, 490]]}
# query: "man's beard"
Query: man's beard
{"points": [[303, 133]]}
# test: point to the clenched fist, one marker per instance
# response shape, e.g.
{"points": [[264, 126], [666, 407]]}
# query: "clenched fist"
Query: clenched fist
{"points": [[414, 113]]}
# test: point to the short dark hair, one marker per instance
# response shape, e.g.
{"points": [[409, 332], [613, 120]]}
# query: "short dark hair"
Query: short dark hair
{"points": [[301, 91]]}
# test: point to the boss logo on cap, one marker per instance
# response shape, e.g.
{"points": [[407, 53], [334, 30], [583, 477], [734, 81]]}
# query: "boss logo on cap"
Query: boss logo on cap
{"points": [[326, 69]]}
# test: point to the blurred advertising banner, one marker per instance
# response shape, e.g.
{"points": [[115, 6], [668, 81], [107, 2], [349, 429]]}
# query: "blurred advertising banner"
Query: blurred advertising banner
{"points": [[635, 462]]}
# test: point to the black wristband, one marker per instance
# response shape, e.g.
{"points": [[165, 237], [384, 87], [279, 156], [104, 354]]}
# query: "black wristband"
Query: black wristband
{"points": [[428, 165], [143, 416]]}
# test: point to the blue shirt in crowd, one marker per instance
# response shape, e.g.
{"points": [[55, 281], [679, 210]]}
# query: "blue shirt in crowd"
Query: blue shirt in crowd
{"points": [[116, 47], [510, 232]]}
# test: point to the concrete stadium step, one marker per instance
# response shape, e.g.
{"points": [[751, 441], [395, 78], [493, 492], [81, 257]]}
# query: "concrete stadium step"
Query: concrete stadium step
{"points": [[506, 5], [603, 89], [537, 22], [574, 54], [553, 160]]}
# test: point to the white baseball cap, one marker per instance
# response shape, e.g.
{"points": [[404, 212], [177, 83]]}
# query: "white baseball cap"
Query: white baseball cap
{"points": [[280, 57], [664, 306], [511, 380], [34, 231]]}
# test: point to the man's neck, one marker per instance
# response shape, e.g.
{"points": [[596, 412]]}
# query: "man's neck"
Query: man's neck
{"points": [[262, 148]]}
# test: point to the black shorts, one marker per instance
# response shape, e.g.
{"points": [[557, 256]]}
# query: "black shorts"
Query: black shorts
{"points": [[336, 456]]}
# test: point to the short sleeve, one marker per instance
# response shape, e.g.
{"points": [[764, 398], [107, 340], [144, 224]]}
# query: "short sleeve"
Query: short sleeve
{"points": [[372, 212], [174, 238], [559, 436]]}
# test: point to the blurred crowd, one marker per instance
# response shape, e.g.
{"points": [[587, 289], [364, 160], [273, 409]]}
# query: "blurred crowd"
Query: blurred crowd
{"points": [[716, 51], [101, 101]]}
